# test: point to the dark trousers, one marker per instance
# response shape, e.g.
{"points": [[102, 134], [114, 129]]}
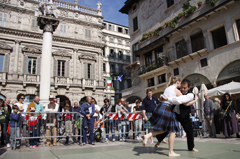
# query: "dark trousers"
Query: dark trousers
{"points": [[187, 126], [217, 124], [33, 133], [4, 133], [90, 124]]}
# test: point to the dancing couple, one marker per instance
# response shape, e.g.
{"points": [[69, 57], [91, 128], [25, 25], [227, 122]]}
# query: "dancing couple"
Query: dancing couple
{"points": [[163, 118]]}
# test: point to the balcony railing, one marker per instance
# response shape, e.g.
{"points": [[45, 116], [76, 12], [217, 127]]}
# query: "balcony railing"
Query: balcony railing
{"points": [[154, 65]]}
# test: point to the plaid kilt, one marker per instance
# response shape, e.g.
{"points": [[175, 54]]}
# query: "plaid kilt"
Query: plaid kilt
{"points": [[164, 118], [147, 124]]}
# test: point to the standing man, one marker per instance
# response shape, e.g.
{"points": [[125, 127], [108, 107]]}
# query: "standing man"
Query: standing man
{"points": [[184, 117], [87, 110], [148, 105], [51, 118], [216, 115], [208, 115], [128, 124]]}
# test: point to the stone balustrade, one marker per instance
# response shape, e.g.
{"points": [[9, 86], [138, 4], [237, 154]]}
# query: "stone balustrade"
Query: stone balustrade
{"points": [[73, 6]]}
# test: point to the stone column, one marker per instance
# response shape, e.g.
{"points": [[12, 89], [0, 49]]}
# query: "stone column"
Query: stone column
{"points": [[48, 25], [15, 68], [75, 64]]}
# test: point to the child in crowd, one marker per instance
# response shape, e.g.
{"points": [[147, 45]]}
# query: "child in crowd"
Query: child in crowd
{"points": [[32, 127], [15, 120], [67, 117], [77, 127], [120, 109], [137, 122]]}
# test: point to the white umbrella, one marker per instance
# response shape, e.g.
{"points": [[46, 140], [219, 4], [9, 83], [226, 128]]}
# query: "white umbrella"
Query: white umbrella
{"points": [[203, 90], [196, 105]]}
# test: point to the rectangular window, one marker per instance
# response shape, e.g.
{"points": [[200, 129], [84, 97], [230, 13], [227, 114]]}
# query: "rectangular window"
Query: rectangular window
{"points": [[176, 71], [135, 24], [150, 82], [87, 33], [104, 67], [113, 69], [219, 37], [129, 83], [159, 55], [120, 30], [103, 51], [89, 71], [162, 78], [61, 68], [3, 19], [1, 62], [105, 25], [181, 49], [34, 23], [148, 59], [238, 27], [120, 55], [170, 3], [104, 83], [62, 30], [109, 27], [204, 62], [125, 31], [135, 47], [111, 52], [197, 42], [32, 62]]}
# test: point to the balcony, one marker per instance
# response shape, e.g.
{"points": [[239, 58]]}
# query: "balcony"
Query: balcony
{"points": [[154, 65]]}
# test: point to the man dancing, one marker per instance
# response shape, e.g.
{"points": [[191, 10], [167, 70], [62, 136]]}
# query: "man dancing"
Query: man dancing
{"points": [[182, 116]]}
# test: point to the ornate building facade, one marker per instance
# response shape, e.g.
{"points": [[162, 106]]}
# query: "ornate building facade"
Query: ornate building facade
{"points": [[80, 62], [188, 39]]}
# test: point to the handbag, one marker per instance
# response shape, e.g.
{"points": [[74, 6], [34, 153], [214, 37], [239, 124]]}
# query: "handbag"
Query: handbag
{"points": [[224, 113]]}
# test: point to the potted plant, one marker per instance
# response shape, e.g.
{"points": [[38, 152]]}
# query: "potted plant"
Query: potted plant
{"points": [[186, 5], [180, 15], [199, 4], [173, 24], [167, 24], [151, 33], [158, 31], [212, 2]]}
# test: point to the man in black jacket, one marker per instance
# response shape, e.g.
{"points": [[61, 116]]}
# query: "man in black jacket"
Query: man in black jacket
{"points": [[184, 119], [7, 119]]}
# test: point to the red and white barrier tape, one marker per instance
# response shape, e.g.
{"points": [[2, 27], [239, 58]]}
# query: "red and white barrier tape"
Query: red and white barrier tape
{"points": [[129, 116]]}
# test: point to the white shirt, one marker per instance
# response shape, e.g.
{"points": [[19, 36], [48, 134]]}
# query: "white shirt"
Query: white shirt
{"points": [[50, 110], [181, 99], [97, 114]]}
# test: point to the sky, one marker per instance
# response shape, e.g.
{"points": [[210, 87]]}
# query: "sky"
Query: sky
{"points": [[110, 9]]}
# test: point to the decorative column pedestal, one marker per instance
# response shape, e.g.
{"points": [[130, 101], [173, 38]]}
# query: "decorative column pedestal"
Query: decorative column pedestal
{"points": [[48, 25]]}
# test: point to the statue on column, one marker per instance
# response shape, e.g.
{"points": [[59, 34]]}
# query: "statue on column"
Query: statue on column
{"points": [[47, 14], [47, 10], [99, 5]]}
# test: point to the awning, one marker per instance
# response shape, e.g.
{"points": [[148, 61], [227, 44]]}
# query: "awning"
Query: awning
{"points": [[231, 88]]}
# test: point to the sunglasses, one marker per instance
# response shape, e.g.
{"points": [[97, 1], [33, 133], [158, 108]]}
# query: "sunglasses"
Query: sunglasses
{"points": [[22, 98]]}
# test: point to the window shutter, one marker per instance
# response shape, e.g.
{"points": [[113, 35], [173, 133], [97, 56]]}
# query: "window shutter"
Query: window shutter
{"points": [[38, 66], [1, 19], [93, 71], [4, 20], [55, 67], [6, 63], [25, 65], [67, 69], [86, 70], [64, 30]]}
